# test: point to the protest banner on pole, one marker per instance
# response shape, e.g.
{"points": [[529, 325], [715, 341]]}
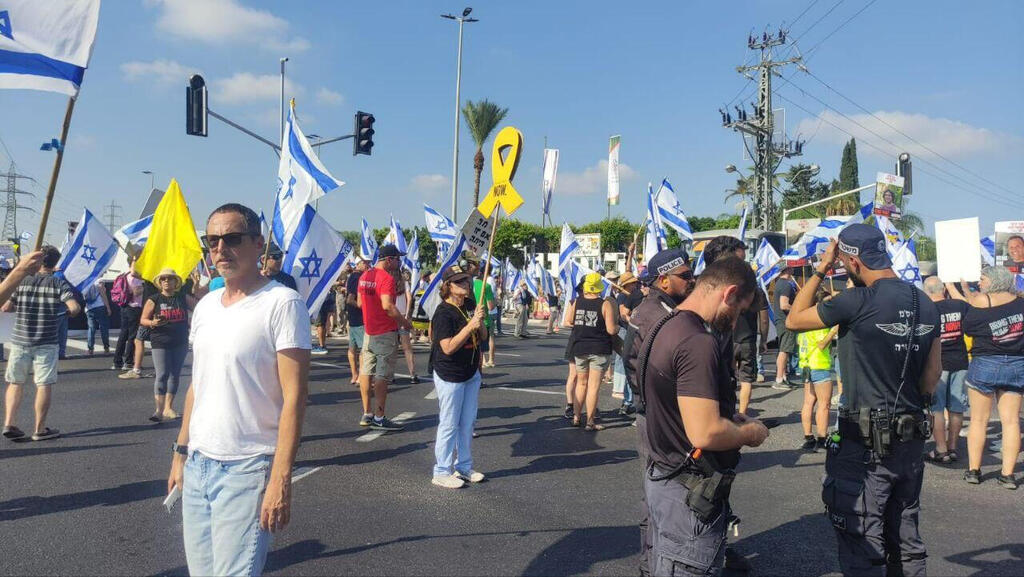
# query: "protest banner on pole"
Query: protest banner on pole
{"points": [[502, 193], [956, 250]]}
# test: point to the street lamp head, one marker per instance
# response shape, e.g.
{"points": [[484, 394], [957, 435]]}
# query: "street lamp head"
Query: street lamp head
{"points": [[730, 168], [449, 16], [466, 11], [815, 169], [147, 172]]}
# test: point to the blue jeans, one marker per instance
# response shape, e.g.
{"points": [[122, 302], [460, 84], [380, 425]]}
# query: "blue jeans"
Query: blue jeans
{"points": [[220, 510], [98, 319], [62, 334], [457, 404]]}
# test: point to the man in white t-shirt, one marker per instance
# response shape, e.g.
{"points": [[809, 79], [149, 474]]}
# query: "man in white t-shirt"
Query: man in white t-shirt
{"points": [[243, 413]]}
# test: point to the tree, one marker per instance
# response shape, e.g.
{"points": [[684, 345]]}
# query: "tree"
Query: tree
{"points": [[925, 248], [482, 118], [803, 188], [849, 177], [616, 233]]}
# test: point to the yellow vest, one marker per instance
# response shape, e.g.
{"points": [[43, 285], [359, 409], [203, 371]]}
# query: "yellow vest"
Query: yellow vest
{"points": [[811, 357]]}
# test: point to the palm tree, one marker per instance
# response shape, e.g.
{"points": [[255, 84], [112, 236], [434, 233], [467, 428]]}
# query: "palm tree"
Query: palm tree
{"points": [[482, 118]]}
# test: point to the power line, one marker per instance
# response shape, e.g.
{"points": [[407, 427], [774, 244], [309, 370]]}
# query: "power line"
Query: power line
{"points": [[793, 23], [897, 146], [845, 22], [1015, 205]]}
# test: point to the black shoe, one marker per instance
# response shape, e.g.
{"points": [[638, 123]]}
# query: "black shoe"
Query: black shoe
{"points": [[568, 412], [1007, 482], [415, 380], [809, 443], [973, 476], [626, 409], [819, 444], [385, 424], [736, 562]]}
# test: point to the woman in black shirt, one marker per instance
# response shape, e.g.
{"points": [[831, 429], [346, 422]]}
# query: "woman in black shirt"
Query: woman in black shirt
{"points": [[166, 315], [995, 320], [456, 332], [593, 324]]}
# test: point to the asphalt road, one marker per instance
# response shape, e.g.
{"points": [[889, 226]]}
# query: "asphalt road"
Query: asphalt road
{"points": [[559, 501]]}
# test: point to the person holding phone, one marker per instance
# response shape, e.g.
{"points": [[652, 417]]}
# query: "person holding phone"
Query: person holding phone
{"points": [[166, 315]]}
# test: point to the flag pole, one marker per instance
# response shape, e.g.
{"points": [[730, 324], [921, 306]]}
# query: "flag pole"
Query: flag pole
{"points": [[56, 172], [490, 254]]}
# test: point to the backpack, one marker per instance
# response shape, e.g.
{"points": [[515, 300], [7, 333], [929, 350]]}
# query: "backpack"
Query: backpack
{"points": [[121, 293]]}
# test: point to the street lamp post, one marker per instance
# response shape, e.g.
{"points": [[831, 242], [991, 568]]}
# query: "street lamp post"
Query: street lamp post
{"points": [[152, 179], [458, 82]]}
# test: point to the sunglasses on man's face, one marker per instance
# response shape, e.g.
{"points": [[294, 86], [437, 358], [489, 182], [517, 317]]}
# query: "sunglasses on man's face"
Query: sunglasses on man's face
{"points": [[231, 239], [685, 275]]}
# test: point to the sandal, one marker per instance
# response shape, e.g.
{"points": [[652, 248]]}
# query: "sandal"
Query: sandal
{"points": [[156, 417], [592, 426], [953, 457], [938, 458], [575, 421]]}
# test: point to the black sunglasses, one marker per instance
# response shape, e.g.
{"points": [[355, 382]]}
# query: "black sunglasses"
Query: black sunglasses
{"points": [[688, 275], [231, 239]]}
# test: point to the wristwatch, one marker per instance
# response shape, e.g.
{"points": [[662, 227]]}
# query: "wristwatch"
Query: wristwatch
{"points": [[179, 449], [819, 274]]}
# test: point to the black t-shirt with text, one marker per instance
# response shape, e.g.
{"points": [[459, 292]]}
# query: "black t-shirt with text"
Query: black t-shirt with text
{"points": [[174, 310], [686, 360], [951, 321], [459, 367], [589, 331], [874, 324], [355, 314], [997, 330], [747, 323], [784, 287]]}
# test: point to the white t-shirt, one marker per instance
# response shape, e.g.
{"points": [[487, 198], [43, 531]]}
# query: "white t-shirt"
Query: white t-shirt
{"points": [[237, 394]]}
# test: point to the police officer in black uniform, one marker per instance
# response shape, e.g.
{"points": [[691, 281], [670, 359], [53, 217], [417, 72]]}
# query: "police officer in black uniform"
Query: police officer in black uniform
{"points": [[891, 359]]}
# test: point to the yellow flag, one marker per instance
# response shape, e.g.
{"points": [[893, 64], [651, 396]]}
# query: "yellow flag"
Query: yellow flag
{"points": [[172, 239]]}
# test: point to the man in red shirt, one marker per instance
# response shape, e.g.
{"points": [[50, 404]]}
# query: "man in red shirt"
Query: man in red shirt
{"points": [[381, 319]]}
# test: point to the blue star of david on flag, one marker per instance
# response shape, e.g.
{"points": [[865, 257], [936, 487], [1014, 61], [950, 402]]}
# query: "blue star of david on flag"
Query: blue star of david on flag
{"points": [[89, 254], [910, 273], [310, 266]]}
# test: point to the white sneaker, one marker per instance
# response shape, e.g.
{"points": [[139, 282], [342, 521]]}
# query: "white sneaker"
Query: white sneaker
{"points": [[473, 477], [448, 481]]}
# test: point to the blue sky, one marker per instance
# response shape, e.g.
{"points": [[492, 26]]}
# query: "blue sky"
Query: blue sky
{"points": [[943, 72]]}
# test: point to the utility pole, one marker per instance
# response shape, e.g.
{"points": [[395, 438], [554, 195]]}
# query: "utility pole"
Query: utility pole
{"points": [[768, 154], [113, 215], [10, 229]]}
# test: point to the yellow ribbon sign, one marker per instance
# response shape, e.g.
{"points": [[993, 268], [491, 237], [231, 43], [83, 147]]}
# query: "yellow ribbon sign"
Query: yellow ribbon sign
{"points": [[502, 172]]}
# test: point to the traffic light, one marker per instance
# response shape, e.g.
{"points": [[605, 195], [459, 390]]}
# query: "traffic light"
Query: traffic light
{"points": [[362, 142], [195, 106], [904, 168]]}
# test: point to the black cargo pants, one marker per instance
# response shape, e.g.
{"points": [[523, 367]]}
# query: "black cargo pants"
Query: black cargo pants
{"points": [[874, 506], [682, 544]]}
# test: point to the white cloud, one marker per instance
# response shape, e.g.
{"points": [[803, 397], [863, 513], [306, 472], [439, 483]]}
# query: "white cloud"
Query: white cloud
{"points": [[950, 138], [244, 87], [329, 97], [224, 22], [81, 140], [593, 179], [160, 71], [430, 182]]}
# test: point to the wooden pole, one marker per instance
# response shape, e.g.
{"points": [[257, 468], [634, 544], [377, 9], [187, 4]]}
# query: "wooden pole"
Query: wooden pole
{"points": [[490, 253], [56, 172]]}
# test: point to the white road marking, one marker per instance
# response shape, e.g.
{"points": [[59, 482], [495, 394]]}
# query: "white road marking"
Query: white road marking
{"points": [[432, 394], [538, 391], [508, 355], [402, 417], [303, 472]]}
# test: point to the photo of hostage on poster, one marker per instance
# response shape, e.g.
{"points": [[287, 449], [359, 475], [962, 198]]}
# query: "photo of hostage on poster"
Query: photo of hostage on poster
{"points": [[889, 195], [1010, 245]]}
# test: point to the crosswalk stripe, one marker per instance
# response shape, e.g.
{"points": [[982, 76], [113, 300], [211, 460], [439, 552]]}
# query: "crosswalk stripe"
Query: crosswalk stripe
{"points": [[372, 435]]}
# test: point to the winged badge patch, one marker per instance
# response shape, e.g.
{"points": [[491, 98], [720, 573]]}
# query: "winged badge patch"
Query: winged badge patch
{"points": [[903, 329]]}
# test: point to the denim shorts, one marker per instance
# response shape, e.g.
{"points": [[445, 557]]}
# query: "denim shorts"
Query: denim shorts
{"points": [[988, 374], [40, 360], [819, 375], [591, 363], [950, 393]]}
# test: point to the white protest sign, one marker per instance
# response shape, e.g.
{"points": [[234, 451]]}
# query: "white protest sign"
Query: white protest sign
{"points": [[956, 248], [477, 231]]}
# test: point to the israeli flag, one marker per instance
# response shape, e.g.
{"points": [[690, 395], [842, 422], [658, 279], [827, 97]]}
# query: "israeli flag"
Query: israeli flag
{"points": [[301, 179], [263, 225], [655, 234], [699, 267], [511, 276], [412, 261], [441, 229], [135, 233], [397, 236], [988, 250], [567, 247], [495, 262], [742, 234], [815, 241], [431, 297], [766, 263], [46, 45], [547, 282], [893, 237], [89, 253], [905, 265], [315, 258], [531, 285], [669, 211], [368, 244]]}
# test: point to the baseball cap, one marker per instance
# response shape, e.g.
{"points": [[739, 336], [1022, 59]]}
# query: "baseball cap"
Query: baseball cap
{"points": [[389, 250], [866, 243], [667, 261], [593, 283], [455, 274]]}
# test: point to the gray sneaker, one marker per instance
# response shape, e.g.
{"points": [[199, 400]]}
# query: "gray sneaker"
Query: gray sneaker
{"points": [[366, 420], [385, 424], [782, 386]]}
